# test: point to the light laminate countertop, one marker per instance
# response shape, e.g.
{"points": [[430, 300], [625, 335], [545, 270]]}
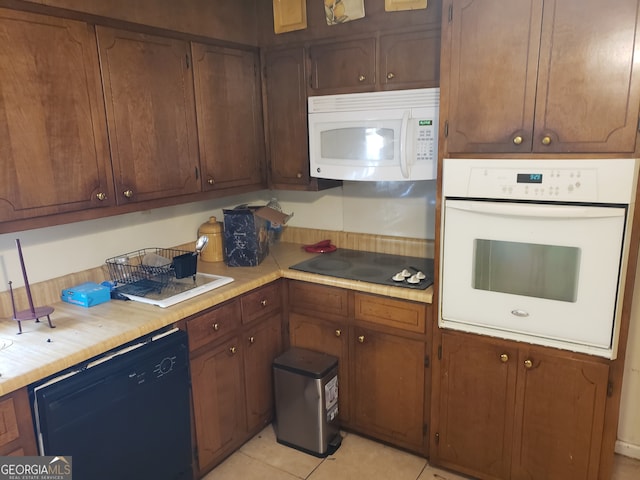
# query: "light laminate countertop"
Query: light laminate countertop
{"points": [[82, 333]]}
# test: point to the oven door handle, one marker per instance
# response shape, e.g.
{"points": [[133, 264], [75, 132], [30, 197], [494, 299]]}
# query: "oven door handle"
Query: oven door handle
{"points": [[541, 211]]}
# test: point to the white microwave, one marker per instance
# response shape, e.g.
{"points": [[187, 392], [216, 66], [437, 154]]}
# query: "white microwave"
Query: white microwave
{"points": [[377, 136]]}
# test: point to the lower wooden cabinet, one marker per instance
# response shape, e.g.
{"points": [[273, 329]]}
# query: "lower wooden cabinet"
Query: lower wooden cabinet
{"points": [[17, 437], [381, 346], [232, 350], [506, 410]]}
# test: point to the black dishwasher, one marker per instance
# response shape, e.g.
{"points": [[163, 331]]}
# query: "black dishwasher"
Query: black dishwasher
{"points": [[123, 416]]}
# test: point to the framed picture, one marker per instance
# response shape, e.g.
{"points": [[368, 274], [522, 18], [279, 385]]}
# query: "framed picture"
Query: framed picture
{"points": [[289, 15], [396, 5], [341, 11]]}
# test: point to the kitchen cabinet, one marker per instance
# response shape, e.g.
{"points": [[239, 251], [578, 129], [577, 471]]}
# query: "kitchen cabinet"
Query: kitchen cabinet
{"points": [[53, 138], [512, 411], [151, 116], [16, 426], [345, 66], [286, 104], [380, 344], [569, 84], [232, 348], [229, 114]]}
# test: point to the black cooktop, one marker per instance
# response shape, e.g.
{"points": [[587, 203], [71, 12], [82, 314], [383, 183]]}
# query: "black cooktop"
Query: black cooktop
{"points": [[370, 267]]}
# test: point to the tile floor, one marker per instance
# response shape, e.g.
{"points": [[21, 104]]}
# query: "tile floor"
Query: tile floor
{"points": [[262, 458]]}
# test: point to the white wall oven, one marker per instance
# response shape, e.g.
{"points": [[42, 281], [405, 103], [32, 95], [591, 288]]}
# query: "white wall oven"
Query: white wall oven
{"points": [[536, 250]]}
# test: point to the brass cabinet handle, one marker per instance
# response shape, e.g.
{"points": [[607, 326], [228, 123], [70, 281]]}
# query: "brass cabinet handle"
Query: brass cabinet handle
{"points": [[546, 140], [517, 140], [390, 76], [101, 196], [504, 358], [232, 350], [338, 332], [528, 364], [361, 78], [211, 181], [263, 303], [216, 326], [128, 193], [361, 338], [252, 340], [299, 175]]}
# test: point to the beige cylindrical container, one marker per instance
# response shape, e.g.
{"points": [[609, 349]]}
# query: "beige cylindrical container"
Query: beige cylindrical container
{"points": [[213, 252]]}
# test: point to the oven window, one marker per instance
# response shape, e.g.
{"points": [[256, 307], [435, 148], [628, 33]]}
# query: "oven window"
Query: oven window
{"points": [[529, 269], [358, 143]]}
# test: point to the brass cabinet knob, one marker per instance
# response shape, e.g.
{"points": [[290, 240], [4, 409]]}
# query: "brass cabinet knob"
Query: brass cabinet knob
{"points": [[216, 326], [263, 303], [361, 338], [390, 76], [210, 181], [252, 340], [361, 78], [299, 175], [338, 332], [128, 193], [232, 350], [517, 140], [504, 358], [546, 140], [528, 364], [101, 196]]}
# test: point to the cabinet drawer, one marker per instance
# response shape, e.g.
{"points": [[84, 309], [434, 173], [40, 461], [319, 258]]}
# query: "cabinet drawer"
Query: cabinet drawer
{"points": [[400, 314], [260, 302], [317, 299], [213, 324]]}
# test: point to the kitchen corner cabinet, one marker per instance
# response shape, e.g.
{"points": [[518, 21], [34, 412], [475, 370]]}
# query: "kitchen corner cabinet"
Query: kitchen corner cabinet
{"points": [[521, 78], [16, 425], [151, 116], [286, 104], [53, 138], [229, 113], [506, 410], [232, 348], [380, 344]]}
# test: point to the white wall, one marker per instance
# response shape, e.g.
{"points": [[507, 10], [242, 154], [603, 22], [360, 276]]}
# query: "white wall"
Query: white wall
{"points": [[395, 208]]}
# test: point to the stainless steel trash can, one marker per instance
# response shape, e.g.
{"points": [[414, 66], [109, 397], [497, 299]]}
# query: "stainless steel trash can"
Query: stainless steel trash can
{"points": [[306, 398]]}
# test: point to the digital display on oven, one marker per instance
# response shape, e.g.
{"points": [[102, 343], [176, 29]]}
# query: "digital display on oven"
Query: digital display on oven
{"points": [[529, 178]]}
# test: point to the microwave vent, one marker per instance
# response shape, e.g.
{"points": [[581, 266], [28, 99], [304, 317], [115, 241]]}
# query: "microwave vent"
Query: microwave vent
{"points": [[395, 99]]}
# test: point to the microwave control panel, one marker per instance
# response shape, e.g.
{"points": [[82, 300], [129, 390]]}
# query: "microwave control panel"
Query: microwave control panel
{"points": [[425, 132]]}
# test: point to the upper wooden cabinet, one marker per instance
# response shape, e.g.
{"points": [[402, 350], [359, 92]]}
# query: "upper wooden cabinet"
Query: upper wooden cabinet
{"points": [[286, 104], [520, 78], [53, 141], [348, 65], [510, 411], [148, 88], [228, 105]]}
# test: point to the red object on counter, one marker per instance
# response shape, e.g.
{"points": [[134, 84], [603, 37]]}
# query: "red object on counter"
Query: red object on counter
{"points": [[324, 246]]}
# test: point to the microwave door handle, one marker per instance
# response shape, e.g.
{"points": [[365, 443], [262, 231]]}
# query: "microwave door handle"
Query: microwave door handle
{"points": [[404, 167], [542, 211]]}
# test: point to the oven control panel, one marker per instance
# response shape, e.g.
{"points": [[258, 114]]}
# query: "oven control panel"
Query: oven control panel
{"points": [[587, 180]]}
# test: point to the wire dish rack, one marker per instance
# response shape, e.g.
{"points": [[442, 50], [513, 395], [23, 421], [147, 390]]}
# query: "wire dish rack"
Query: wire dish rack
{"points": [[150, 269]]}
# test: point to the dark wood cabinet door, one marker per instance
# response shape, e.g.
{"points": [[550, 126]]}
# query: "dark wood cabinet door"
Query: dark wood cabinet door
{"points": [[588, 90], [410, 60], [218, 401], [491, 50], [53, 138], [305, 331], [388, 387], [148, 88], [229, 112], [343, 67], [474, 421], [286, 102], [559, 416], [262, 344]]}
